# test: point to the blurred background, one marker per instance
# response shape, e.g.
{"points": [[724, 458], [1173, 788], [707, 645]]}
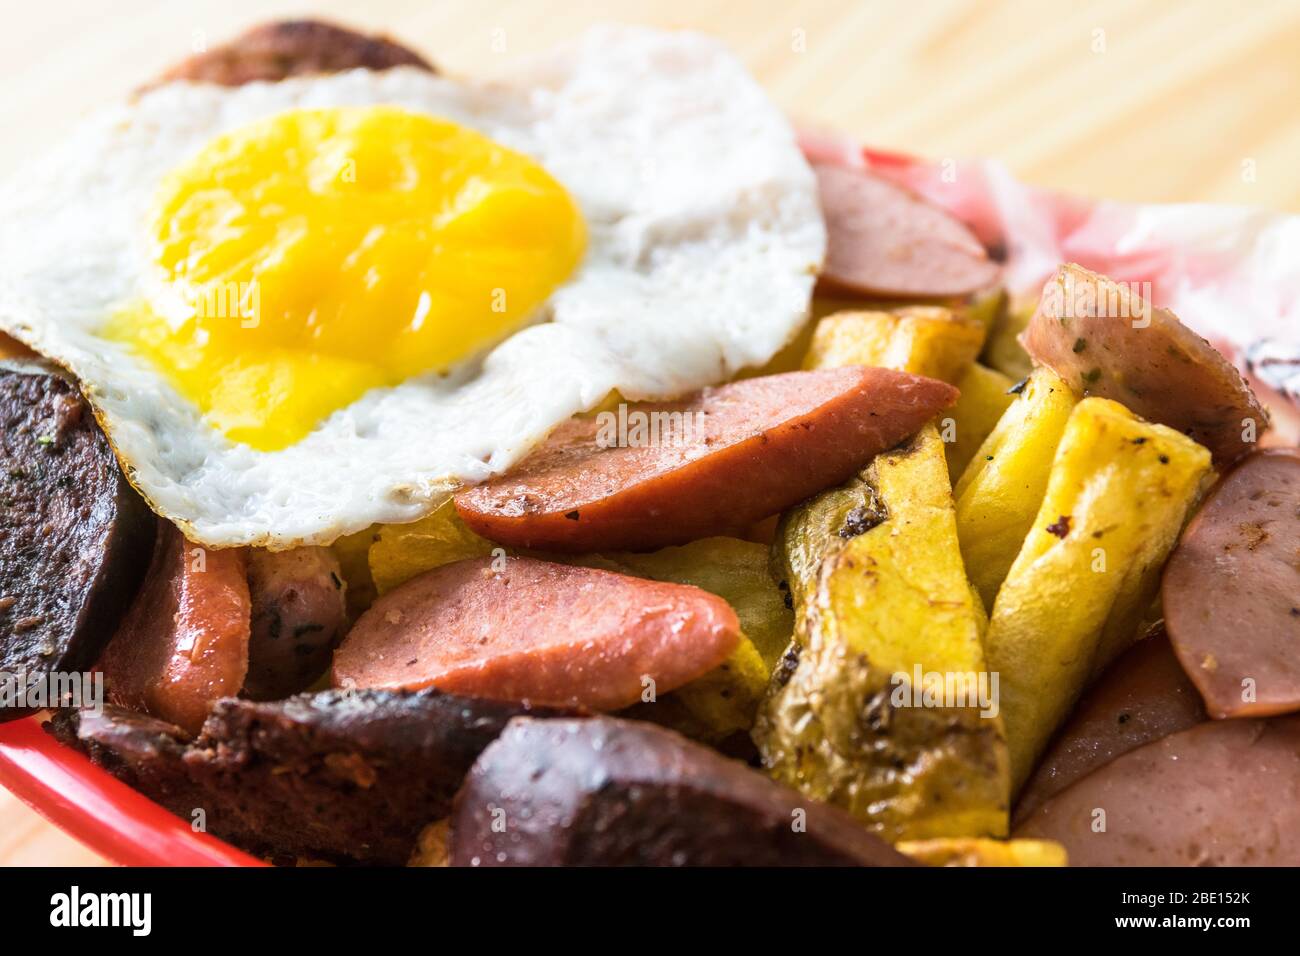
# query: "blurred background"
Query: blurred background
{"points": [[1160, 101]]}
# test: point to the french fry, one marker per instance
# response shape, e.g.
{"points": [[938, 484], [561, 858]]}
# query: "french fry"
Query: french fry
{"points": [[1001, 489], [966, 851], [1002, 348], [890, 597], [724, 701], [1116, 498], [401, 551], [353, 553], [734, 570], [924, 340], [985, 396]]}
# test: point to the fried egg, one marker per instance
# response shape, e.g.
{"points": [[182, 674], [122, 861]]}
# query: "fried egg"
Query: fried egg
{"points": [[301, 308]]}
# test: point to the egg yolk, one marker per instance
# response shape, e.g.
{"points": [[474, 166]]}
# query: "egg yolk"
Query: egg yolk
{"points": [[307, 258]]}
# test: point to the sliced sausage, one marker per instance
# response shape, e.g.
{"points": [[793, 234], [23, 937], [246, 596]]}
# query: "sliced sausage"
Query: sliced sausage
{"points": [[184, 642], [607, 792], [1143, 696], [299, 614], [885, 241], [1106, 340], [284, 48], [339, 776], [735, 455], [1224, 793], [1231, 590], [530, 630], [74, 536]]}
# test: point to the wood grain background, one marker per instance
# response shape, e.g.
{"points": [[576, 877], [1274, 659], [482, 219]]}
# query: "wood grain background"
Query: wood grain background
{"points": [[1158, 102]]}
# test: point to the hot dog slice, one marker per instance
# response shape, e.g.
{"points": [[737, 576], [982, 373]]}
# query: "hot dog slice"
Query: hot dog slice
{"points": [[184, 642], [1143, 696], [74, 536], [1106, 340], [1224, 793], [1231, 590], [299, 613], [884, 241], [539, 632], [652, 475], [607, 792]]}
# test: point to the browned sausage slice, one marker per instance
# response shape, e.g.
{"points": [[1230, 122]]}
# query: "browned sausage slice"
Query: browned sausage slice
{"points": [[74, 536], [184, 642], [284, 48], [1224, 793], [339, 776], [1143, 696], [1104, 339], [732, 455], [539, 632], [299, 614], [607, 792], [1231, 590], [884, 241]]}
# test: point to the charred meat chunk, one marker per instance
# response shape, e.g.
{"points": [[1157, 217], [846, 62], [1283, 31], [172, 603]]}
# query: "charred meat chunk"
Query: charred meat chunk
{"points": [[610, 792], [343, 776], [284, 48], [75, 538]]}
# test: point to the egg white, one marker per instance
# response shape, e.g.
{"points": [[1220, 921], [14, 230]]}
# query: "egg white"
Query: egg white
{"points": [[704, 240]]}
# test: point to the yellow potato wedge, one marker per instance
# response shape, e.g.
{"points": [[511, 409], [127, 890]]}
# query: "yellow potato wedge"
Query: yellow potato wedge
{"points": [[987, 308], [808, 535], [1002, 348], [924, 340], [1001, 489], [353, 553], [724, 701], [431, 845], [401, 551], [966, 851], [718, 705], [1116, 498], [734, 570], [889, 603], [985, 396]]}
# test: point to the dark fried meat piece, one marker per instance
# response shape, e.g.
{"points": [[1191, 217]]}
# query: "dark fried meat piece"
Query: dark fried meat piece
{"points": [[284, 48], [348, 777]]}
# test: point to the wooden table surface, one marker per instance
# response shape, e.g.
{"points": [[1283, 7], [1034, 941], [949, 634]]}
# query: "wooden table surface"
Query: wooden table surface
{"points": [[1159, 101]]}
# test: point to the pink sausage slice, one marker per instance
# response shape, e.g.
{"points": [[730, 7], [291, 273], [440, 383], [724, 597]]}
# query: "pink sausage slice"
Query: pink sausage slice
{"points": [[299, 614], [183, 643], [537, 632], [1231, 590], [1224, 793], [1105, 339], [740, 452], [884, 241], [1143, 696]]}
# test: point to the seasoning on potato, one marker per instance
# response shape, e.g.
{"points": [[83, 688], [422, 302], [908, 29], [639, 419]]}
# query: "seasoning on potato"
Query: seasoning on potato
{"points": [[1001, 489], [888, 601], [1116, 498]]}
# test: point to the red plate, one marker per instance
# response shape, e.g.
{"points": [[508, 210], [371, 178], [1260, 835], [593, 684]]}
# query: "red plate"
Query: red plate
{"points": [[99, 810]]}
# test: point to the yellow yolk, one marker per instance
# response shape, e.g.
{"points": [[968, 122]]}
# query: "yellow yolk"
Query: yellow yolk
{"points": [[317, 254]]}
